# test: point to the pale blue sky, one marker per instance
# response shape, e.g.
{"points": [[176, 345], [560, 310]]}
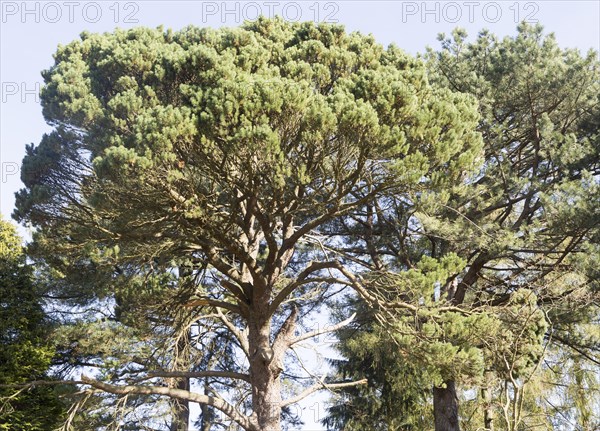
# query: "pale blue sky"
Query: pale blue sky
{"points": [[31, 31]]}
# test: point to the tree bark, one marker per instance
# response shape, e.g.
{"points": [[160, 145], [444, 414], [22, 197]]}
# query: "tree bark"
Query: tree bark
{"points": [[264, 374], [445, 407], [208, 413], [181, 350], [181, 408], [488, 412], [445, 400]]}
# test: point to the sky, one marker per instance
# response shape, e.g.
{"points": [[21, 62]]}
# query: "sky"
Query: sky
{"points": [[31, 31]]}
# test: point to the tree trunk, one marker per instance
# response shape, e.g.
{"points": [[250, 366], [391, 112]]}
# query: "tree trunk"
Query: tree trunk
{"points": [[264, 375], [445, 400], [488, 412], [180, 408], [445, 408], [208, 413]]}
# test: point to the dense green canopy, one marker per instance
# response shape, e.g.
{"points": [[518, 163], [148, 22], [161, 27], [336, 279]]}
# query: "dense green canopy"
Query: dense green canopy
{"points": [[218, 161], [526, 225]]}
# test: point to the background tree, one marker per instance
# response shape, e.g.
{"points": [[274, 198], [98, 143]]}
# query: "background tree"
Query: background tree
{"points": [[526, 225], [537, 197], [228, 152], [137, 333], [25, 352], [398, 393]]}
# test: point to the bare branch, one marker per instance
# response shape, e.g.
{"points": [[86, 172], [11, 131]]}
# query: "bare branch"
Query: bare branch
{"points": [[33, 383], [200, 374], [241, 337], [198, 302], [300, 280], [288, 326], [325, 330], [356, 284], [181, 394], [321, 386]]}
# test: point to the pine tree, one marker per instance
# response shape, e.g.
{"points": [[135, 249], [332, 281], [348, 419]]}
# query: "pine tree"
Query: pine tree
{"points": [[397, 396], [231, 151], [536, 200], [25, 353], [525, 226]]}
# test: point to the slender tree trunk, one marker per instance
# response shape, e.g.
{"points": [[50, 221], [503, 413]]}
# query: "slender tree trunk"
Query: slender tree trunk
{"points": [[208, 413], [488, 412], [445, 408], [180, 408], [445, 400], [266, 385]]}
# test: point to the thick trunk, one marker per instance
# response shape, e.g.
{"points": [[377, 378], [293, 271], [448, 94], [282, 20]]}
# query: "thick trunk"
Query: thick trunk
{"points": [[264, 374], [445, 408]]}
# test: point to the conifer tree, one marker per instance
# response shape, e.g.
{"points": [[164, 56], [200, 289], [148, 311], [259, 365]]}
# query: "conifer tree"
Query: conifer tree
{"points": [[525, 226], [25, 353], [230, 152]]}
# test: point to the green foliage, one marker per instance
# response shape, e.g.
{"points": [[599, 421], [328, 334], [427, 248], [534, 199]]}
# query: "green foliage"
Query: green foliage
{"points": [[525, 225], [178, 126], [218, 154], [25, 353], [446, 343], [530, 218], [397, 395], [538, 104], [207, 167]]}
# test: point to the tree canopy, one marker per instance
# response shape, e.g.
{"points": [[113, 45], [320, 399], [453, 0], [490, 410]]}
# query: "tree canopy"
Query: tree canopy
{"points": [[526, 226], [216, 166], [205, 192]]}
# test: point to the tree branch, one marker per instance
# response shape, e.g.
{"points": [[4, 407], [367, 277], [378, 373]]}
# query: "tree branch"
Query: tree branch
{"points": [[34, 383], [325, 330], [198, 302], [200, 374], [181, 394], [241, 337], [300, 279], [320, 386]]}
